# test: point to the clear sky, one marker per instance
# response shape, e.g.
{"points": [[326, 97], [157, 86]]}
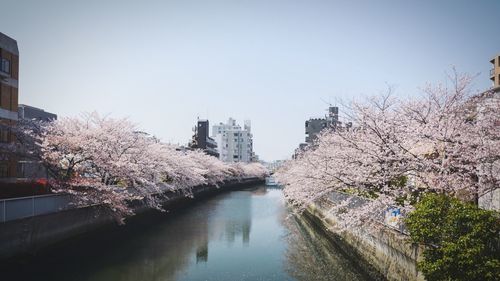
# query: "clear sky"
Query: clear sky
{"points": [[164, 63]]}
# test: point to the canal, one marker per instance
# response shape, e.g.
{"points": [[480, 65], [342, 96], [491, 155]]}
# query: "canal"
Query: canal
{"points": [[247, 234]]}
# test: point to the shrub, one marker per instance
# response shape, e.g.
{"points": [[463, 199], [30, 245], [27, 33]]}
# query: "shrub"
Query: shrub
{"points": [[462, 241]]}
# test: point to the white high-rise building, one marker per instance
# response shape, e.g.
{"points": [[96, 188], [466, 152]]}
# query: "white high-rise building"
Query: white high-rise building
{"points": [[234, 144]]}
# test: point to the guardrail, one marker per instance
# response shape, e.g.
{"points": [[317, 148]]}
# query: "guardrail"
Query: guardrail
{"points": [[23, 207], [390, 217]]}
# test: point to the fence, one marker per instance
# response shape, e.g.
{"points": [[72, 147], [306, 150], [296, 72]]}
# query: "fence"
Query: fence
{"points": [[390, 217], [23, 207]]}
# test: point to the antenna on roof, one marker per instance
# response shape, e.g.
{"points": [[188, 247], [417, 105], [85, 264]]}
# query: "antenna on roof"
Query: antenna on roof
{"points": [[330, 105], [327, 102]]}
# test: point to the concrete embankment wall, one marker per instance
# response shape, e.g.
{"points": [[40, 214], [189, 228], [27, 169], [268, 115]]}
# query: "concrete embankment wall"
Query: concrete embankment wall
{"points": [[385, 250], [25, 236]]}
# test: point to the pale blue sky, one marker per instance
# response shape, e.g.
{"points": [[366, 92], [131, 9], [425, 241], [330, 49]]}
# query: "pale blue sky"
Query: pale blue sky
{"points": [[163, 63]]}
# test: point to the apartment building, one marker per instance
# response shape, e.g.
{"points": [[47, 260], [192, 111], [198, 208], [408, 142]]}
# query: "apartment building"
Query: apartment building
{"points": [[314, 126], [9, 77], [495, 73], [234, 144], [201, 139]]}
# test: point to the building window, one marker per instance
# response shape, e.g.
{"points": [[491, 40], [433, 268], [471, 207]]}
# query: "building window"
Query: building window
{"points": [[21, 173], [4, 170], [5, 67]]}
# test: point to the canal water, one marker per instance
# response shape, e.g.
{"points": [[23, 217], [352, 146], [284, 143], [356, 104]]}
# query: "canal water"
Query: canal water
{"points": [[247, 234]]}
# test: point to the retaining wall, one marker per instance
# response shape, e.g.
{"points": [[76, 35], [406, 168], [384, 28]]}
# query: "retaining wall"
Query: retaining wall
{"points": [[385, 250]]}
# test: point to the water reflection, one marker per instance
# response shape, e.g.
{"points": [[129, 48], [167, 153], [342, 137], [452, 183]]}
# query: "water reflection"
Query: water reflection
{"points": [[242, 235], [234, 216], [312, 257]]}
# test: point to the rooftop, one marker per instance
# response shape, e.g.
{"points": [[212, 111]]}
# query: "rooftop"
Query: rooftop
{"points": [[8, 44], [29, 106]]}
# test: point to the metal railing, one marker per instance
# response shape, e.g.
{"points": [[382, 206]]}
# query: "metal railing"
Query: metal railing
{"points": [[382, 217], [24, 207], [492, 72]]}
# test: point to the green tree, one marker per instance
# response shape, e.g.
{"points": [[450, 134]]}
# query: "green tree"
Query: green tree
{"points": [[462, 241]]}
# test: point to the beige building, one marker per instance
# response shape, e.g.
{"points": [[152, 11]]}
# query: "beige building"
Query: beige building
{"points": [[495, 72], [491, 200]]}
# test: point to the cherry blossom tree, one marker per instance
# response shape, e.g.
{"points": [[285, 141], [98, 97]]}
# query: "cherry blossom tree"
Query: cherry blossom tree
{"points": [[109, 162], [446, 141]]}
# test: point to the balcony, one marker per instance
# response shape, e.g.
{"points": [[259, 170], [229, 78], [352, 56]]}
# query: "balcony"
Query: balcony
{"points": [[492, 72], [211, 142], [4, 75]]}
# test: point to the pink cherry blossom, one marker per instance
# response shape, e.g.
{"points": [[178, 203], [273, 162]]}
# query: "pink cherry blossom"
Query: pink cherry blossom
{"points": [[110, 162], [447, 140]]}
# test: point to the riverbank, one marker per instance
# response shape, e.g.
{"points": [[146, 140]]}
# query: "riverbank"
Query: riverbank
{"points": [[387, 252], [28, 235]]}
